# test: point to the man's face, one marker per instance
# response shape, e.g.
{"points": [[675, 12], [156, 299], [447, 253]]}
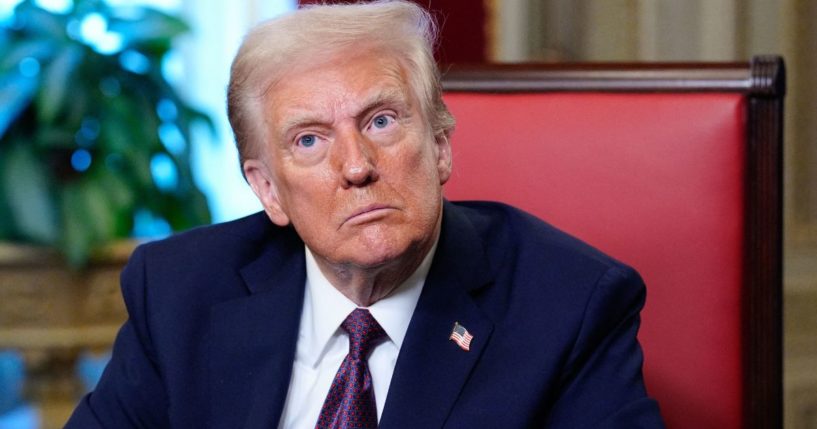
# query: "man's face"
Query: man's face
{"points": [[351, 162]]}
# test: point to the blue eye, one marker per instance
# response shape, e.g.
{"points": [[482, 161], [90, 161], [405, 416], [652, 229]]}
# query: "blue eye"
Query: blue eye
{"points": [[382, 121], [307, 140]]}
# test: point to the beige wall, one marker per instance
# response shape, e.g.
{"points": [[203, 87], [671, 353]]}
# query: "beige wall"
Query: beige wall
{"points": [[709, 30]]}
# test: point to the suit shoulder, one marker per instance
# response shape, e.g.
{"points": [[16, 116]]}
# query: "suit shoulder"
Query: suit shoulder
{"points": [[521, 234], [544, 277], [204, 263]]}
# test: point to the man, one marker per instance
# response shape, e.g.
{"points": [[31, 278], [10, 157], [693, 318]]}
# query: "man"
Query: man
{"points": [[361, 296]]}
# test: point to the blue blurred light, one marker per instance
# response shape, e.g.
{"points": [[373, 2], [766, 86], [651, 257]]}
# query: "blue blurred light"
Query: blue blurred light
{"points": [[93, 30], [88, 132], [7, 10], [172, 138], [25, 416], [29, 67], [12, 376], [164, 172], [173, 68], [81, 160], [90, 127], [73, 29], [109, 43], [90, 367], [92, 27], [56, 6], [145, 224], [167, 110], [134, 61]]}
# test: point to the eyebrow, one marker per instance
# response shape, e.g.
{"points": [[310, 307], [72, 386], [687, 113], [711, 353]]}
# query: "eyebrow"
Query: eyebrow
{"points": [[389, 96]]}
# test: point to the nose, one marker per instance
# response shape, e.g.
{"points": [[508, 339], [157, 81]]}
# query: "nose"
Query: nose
{"points": [[356, 158]]}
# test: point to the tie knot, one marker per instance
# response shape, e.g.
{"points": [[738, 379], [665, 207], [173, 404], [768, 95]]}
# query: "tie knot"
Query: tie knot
{"points": [[364, 332]]}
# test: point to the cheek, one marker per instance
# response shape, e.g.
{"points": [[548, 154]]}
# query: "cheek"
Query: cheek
{"points": [[312, 199], [424, 170], [421, 180], [304, 195], [418, 161]]}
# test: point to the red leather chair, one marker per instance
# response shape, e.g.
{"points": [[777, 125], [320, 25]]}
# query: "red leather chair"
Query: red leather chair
{"points": [[673, 169]]}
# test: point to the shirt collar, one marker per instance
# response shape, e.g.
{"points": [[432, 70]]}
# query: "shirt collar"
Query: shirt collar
{"points": [[325, 308]]}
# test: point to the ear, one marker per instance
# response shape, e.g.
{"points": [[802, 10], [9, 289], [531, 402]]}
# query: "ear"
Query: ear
{"points": [[262, 183], [444, 159]]}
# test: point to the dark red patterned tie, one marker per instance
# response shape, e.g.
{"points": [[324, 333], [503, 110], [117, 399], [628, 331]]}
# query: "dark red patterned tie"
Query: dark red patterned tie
{"points": [[350, 402]]}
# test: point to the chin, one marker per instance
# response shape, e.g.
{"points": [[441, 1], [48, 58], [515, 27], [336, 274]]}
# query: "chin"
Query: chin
{"points": [[377, 251], [374, 257]]}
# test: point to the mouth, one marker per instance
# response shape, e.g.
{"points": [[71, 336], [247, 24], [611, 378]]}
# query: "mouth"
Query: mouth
{"points": [[368, 213]]}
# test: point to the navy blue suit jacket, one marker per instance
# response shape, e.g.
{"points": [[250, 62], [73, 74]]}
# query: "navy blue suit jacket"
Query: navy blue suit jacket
{"points": [[214, 316]]}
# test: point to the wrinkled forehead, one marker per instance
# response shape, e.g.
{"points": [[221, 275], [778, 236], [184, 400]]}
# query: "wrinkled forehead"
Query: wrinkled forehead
{"points": [[360, 72], [388, 62], [342, 85]]}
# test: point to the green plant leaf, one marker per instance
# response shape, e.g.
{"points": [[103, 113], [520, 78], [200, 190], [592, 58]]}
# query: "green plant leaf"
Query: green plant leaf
{"points": [[16, 93], [120, 197], [57, 83], [97, 209], [79, 98], [88, 219], [198, 209], [184, 213], [124, 133], [38, 49], [40, 21], [115, 133], [28, 189], [77, 239], [54, 138], [129, 122], [117, 190], [6, 221], [77, 108], [139, 167]]}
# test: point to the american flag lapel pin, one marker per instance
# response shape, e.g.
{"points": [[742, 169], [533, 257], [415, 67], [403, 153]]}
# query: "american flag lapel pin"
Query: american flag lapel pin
{"points": [[461, 336]]}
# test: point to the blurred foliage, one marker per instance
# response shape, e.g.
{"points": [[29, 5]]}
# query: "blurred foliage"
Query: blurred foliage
{"points": [[80, 126]]}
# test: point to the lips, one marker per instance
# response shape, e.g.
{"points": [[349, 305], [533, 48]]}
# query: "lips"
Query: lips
{"points": [[368, 213]]}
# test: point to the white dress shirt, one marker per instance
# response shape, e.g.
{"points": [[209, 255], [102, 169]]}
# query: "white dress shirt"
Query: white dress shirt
{"points": [[322, 344]]}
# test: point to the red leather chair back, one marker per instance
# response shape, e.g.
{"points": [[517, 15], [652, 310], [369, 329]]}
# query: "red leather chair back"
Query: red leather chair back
{"points": [[654, 175]]}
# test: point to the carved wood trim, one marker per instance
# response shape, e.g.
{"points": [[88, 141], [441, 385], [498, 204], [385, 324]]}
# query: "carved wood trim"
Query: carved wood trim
{"points": [[51, 314], [617, 77], [763, 305]]}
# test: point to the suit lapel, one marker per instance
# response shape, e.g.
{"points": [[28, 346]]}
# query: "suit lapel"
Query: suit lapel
{"points": [[431, 369], [254, 338]]}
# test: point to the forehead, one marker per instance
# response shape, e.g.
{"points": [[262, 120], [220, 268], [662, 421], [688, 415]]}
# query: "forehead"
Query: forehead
{"points": [[340, 85]]}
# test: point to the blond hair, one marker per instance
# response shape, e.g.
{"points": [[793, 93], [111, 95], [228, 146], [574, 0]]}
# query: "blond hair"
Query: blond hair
{"points": [[275, 47]]}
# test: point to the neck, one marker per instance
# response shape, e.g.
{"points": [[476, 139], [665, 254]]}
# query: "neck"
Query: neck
{"points": [[366, 285]]}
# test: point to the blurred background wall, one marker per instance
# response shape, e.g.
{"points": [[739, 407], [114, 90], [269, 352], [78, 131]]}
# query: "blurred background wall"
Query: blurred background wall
{"points": [[518, 31]]}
